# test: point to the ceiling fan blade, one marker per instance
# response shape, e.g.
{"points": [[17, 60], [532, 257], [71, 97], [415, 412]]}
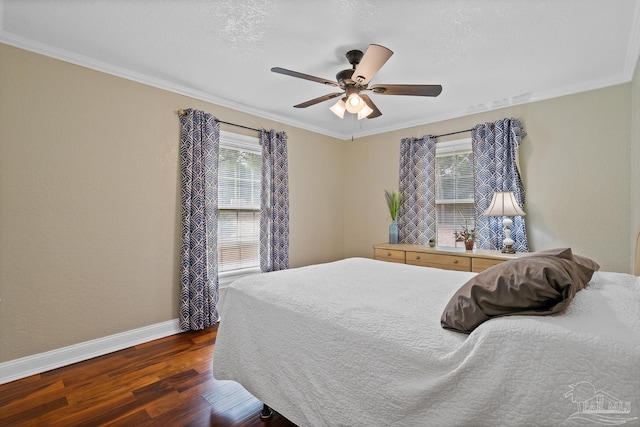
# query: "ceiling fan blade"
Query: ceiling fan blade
{"points": [[303, 76], [370, 104], [318, 99], [414, 90], [374, 58]]}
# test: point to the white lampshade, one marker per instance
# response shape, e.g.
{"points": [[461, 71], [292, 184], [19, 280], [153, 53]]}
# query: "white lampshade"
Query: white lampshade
{"points": [[339, 108], [504, 204], [364, 112]]}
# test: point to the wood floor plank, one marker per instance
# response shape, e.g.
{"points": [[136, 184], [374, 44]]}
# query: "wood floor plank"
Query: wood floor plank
{"points": [[45, 393], [137, 418], [23, 387], [166, 382], [28, 414]]}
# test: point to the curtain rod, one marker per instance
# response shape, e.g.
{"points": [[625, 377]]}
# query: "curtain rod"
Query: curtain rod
{"points": [[453, 133], [183, 113], [460, 131]]}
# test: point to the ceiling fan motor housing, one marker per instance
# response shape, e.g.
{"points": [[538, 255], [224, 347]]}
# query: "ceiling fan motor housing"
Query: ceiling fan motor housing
{"points": [[354, 57], [344, 77]]}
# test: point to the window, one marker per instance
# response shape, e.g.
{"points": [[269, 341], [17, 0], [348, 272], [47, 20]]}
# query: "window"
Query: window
{"points": [[454, 190], [239, 176]]}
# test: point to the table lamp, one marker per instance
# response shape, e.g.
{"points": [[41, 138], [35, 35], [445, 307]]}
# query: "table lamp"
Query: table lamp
{"points": [[504, 204]]}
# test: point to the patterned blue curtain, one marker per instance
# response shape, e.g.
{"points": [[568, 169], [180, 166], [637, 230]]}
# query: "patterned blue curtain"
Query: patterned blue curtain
{"points": [[274, 202], [199, 146], [495, 153], [417, 215]]}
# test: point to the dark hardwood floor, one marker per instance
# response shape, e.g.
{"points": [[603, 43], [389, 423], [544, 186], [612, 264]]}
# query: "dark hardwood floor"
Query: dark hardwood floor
{"points": [[167, 382]]}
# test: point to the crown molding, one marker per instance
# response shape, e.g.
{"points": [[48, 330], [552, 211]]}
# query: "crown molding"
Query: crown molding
{"points": [[500, 104], [633, 52], [87, 62]]}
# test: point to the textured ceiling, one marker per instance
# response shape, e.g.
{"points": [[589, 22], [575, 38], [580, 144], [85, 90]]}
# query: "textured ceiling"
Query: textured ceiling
{"points": [[486, 54]]}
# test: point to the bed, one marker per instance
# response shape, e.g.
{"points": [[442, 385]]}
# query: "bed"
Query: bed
{"points": [[359, 342]]}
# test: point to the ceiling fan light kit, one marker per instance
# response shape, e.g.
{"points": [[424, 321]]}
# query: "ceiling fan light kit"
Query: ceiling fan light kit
{"points": [[355, 81], [339, 108], [354, 102], [364, 112]]}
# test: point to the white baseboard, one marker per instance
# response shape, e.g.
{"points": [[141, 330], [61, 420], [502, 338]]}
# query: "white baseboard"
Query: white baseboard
{"points": [[38, 363]]}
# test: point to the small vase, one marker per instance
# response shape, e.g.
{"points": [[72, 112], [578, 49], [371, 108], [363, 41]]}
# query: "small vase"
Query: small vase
{"points": [[468, 245], [393, 232]]}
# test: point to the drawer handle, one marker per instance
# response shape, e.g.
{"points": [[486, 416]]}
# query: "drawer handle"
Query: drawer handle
{"points": [[455, 261], [418, 257], [388, 253]]}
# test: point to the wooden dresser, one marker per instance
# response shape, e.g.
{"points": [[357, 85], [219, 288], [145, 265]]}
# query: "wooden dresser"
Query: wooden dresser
{"points": [[476, 260]]}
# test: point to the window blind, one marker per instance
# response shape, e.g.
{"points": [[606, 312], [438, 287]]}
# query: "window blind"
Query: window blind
{"points": [[239, 176], [454, 190]]}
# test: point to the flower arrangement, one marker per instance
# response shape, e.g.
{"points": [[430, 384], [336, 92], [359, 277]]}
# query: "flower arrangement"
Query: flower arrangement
{"points": [[394, 200], [465, 235]]}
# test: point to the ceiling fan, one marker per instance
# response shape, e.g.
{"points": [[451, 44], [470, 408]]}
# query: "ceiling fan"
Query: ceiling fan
{"points": [[355, 81]]}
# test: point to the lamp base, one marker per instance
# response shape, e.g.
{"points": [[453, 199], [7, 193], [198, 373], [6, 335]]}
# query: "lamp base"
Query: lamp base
{"points": [[508, 249], [507, 243]]}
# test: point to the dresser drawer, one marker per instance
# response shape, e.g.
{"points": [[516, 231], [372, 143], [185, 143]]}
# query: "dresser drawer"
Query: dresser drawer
{"points": [[388, 255], [448, 262], [481, 264]]}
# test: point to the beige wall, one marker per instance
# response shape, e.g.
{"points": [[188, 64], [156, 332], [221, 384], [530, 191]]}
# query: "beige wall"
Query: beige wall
{"points": [[89, 193], [574, 163], [89, 202], [635, 157]]}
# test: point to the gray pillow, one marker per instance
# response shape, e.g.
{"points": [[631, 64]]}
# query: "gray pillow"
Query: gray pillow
{"points": [[587, 262], [567, 253], [539, 284]]}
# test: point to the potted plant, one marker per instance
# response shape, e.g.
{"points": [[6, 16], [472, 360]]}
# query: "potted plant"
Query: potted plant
{"points": [[468, 236], [394, 200]]}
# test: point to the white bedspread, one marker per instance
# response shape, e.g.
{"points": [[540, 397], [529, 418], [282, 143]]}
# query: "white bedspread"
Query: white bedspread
{"points": [[358, 342]]}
